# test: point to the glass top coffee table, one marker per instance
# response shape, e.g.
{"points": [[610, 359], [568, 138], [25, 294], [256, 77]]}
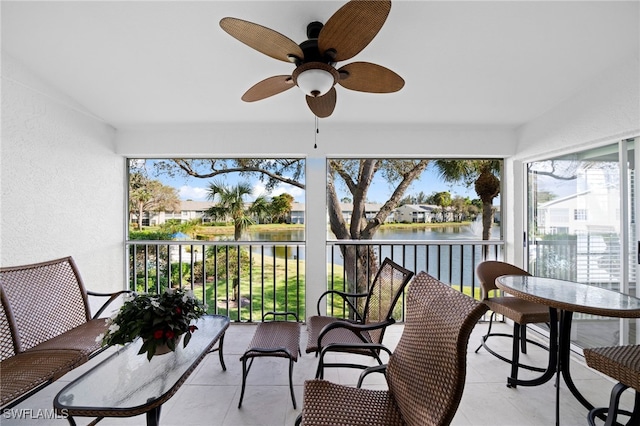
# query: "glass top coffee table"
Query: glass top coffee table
{"points": [[127, 384]]}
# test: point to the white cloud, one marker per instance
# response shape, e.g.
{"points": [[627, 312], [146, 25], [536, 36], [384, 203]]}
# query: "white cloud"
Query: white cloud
{"points": [[192, 193], [294, 191], [258, 190]]}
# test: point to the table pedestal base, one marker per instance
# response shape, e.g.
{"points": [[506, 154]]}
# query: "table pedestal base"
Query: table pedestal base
{"points": [[559, 359]]}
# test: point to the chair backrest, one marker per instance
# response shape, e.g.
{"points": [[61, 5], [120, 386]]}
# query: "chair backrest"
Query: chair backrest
{"points": [[7, 344], [384, 292], [489, 270], [44, 299], [426, 373]]}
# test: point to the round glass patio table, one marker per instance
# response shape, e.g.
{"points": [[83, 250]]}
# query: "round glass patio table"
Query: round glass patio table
{"points": [[563, 299]]}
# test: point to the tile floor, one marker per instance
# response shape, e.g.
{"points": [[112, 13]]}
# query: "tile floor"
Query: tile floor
{"points": [[210, 396]]}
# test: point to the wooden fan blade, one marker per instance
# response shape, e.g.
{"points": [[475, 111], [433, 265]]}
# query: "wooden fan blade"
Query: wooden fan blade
{"points": [[263, 39], [368, 77], [353, 27], [268, 87], [323, 106]]}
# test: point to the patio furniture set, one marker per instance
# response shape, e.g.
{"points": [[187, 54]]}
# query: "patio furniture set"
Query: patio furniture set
{"points": [[46, 330], [560, 299]]}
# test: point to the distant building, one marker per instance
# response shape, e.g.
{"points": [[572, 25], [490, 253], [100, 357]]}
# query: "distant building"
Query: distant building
{"points": [[585, 212], [297, 213], [189, 210], [414, 213], [370, 211]]}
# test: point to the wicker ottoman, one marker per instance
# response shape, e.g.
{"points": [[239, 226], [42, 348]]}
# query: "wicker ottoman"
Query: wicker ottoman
{"points": [[277, 339]]}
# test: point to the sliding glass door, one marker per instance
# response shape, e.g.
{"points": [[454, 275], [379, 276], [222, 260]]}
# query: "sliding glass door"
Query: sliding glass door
{"points": [[581, 227]]}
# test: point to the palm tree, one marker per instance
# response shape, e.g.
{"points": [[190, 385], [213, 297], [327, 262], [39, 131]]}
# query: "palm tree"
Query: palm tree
{"points": [[231, 204], [443, 200], [482, 173]]}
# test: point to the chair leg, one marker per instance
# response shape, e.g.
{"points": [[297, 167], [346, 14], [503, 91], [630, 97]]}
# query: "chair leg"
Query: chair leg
{"points": [[515, 354], [320, 368], [486, 336], [613, 410], [293, 397], [519, 341], [635, 415], [245, 372]]}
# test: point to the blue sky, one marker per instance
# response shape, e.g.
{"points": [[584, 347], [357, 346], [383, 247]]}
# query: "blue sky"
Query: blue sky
{"points": [[195, 189]]}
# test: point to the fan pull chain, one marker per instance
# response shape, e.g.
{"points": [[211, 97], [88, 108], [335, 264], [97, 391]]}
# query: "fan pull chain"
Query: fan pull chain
{"points": [[315, 145]]}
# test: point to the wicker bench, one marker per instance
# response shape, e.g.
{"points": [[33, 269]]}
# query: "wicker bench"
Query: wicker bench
{"points": [[275, 338], [621, 363], [46, 329]]}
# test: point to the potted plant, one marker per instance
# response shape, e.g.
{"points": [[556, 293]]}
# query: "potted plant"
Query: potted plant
{"points": [[159, 319]]}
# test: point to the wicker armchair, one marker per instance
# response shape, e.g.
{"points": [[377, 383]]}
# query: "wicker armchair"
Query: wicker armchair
{"points": [[425, 374], [329, 334], [521, 312]]}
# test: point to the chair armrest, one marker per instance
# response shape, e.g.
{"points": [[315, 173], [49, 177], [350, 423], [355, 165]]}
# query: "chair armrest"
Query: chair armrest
{"points": [[111, 296], [276, 314], [344, 296], [356, 329], [347, 347], [375, 369]]}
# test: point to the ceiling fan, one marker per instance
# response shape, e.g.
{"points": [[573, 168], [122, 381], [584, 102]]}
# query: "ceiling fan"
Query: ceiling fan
{"points": [[343, 36]]}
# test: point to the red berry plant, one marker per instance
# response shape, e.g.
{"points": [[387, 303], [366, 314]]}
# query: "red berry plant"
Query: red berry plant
{"points": [[159, 319]]}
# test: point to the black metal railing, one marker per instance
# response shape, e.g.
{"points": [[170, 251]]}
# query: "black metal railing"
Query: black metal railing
{"points": [[452, 262], [244, 280], [238, 279]]}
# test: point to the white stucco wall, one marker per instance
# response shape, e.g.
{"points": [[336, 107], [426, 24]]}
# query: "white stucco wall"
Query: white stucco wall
{"points": [[62, 183], [605, 111]]}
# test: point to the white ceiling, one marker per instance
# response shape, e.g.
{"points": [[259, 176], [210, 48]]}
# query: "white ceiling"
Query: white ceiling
{"points": [[475, 63]]}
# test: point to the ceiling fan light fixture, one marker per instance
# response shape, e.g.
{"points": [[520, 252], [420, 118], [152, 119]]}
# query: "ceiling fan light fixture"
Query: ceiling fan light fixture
{"points": [[315, 83], [315, 78]]}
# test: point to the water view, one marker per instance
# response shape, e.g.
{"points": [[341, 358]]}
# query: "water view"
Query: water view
{"points": [[471, 231], [448, 252]]}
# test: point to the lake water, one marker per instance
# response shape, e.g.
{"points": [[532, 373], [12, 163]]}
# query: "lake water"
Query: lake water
{"points": [[472, 231], [451, 263], [454, 232]]}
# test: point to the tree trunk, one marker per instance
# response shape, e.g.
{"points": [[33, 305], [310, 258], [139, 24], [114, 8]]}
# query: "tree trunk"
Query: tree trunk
{"points": [[487, 187], [140, 213], [487, 219], [361, 262], [361, 265]]}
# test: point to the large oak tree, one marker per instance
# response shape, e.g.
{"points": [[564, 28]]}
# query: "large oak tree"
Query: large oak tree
{"points": [[356, 176]]}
